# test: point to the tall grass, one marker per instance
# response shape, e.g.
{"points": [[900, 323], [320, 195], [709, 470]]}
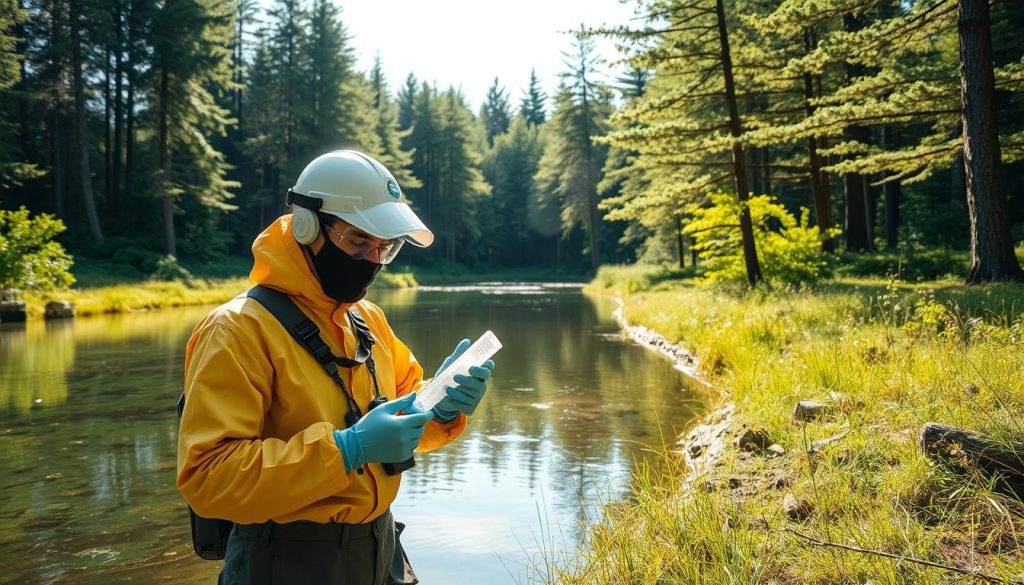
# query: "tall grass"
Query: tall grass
{"points": [[137, 296], [899, 355]]}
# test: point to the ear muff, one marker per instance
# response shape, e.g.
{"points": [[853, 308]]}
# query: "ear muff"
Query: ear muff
{"points": [[305, 223], [305, 226]]}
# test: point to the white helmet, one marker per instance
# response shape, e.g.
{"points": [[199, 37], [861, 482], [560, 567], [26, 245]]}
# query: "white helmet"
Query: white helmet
{"points": [[356, 188]]}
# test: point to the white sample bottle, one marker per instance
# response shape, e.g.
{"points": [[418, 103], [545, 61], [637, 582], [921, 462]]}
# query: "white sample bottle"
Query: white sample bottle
{"points": [[476, 354]]}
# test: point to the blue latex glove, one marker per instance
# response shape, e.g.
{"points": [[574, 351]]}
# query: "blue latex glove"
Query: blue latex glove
{"points": [[465, 397], [381, 435]]}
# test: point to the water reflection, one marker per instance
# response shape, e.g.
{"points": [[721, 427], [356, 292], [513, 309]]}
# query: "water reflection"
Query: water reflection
{"points": [[88, 429]]}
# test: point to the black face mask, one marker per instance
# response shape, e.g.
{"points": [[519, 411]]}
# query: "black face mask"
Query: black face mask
{"points": [[342, 277]]}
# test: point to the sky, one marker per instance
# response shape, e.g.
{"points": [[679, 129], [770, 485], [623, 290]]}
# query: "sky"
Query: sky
{"points": [[467, 43]]}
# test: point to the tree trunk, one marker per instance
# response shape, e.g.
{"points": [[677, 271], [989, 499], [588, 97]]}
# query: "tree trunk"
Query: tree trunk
{"points": [[129, 131], [107, 114], [858, 194], [822, 205], [82, 141], [856, 189], [893, 192], [893, 196], [754, 170], [739, 163], [56, 134], [115, 186], [679, 242], [992, 255], [167, 201], [238, 61]]}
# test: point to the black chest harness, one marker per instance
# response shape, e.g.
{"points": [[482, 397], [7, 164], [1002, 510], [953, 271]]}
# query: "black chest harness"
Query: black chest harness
{"points": [[210, 535]]}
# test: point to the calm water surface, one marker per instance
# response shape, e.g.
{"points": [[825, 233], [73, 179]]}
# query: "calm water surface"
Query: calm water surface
{"points": [[88, 431]]}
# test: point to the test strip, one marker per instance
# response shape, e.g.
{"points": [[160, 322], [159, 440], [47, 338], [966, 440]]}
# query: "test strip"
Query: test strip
{"points": [[481, 350]]}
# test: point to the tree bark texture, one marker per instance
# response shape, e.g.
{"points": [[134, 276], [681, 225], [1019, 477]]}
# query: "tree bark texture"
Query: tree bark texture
{"points": [[822, 205], [167, 201], [857, 223], [738, 161], [893, 197], [57, 136], [968, 452], [82, 142], [679, 242], [992, 255], [893, 192], [115, 185]]}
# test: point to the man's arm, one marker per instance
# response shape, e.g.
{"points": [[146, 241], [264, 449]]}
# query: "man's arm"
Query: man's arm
{"points": [[225, 469]]}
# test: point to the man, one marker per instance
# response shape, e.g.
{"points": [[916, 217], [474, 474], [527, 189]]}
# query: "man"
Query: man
{"points": [[264, 439]]}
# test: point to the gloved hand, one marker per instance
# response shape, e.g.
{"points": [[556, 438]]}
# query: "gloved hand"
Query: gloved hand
{"points": [[465, 397], [381, 435]]}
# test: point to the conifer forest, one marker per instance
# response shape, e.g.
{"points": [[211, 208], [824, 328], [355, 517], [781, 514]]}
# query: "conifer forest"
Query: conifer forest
{"points": [[867, 127]]}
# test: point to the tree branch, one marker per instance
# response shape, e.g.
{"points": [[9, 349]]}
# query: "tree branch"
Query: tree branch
{"points": [[854, 121], [961, 570], [714, 227]]}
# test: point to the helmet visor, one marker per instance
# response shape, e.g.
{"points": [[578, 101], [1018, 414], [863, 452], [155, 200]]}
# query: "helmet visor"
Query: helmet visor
{"points": [[362, 246]]}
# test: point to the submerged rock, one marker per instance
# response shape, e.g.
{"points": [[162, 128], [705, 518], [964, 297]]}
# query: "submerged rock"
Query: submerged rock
{"points": [[60, 310]]}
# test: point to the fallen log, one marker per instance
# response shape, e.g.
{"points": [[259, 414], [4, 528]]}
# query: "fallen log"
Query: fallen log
{"points": [[967, 451]]}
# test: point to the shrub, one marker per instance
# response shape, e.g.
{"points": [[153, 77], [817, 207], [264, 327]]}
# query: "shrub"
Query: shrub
{"points": [[168, 268], [789, 250], [29, 257]]}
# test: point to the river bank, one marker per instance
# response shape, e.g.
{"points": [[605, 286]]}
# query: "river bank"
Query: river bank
{"points": [[118, 291], [881, 358]]}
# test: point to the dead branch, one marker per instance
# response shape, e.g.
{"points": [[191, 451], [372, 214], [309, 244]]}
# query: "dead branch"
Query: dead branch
{"points": [[857, 549]]}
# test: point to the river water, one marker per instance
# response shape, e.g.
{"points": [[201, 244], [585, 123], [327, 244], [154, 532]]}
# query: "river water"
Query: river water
{"points": [[88, 432]]}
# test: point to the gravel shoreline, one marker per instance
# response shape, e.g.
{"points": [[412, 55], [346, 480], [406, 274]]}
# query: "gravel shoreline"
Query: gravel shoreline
{"points": [[704, 444]]}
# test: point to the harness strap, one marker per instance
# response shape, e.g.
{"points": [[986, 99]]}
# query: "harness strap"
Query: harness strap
{"points": [[307, 334]]}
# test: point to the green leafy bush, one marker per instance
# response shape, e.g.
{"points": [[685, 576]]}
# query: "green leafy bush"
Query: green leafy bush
{"points": [[29, 257], [789, 250], [168, 268]]}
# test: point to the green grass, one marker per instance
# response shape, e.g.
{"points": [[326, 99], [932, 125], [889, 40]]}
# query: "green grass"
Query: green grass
{"points": [[103, 286], [901, 355], [137, 295]]}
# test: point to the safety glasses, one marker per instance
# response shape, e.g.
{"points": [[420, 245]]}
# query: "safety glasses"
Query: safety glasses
{"points": [[362, 246]]}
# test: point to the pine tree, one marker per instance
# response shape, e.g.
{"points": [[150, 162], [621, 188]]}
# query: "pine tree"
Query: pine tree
{"points": [[192, 64], [907, 87], [264, 133], [339, 113], [461, 186], [390, 152], [570, 168], [424, 142], [495, 113], [291, 96], [509, 167], [406, 103], [13, 171], [689, 125], [992, 254], [531, 107]]}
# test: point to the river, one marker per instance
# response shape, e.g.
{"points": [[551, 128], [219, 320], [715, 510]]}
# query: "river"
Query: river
{"points": [[88, 430]]}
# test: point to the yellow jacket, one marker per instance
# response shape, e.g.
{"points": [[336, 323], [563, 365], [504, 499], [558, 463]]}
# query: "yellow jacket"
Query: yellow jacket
{"points": [[256, 440]]}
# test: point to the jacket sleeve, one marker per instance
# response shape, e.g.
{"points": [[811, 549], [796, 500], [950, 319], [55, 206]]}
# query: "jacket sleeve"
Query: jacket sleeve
{"points": [[409, 377], [225, 470]]}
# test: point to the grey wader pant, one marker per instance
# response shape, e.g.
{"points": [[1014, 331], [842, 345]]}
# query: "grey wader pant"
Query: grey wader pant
{"points": [[303, 553]]}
